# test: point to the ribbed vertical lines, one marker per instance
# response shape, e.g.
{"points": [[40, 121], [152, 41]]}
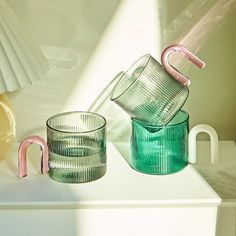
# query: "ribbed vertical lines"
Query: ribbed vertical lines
{"points": [[77, 156], [161, 150], [154, 96]]}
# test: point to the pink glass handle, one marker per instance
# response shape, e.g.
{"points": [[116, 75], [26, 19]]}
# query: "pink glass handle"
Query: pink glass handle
{"points": [[22, 154], [174, 72]]}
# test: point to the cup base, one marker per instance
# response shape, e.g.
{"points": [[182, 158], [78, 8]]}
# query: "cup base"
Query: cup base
{"points": [[75, 176], [153, 171]]}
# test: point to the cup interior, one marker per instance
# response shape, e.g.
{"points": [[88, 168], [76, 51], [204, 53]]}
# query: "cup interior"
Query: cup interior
{"points": [[77, 121], [130, 76], [180, 118]]}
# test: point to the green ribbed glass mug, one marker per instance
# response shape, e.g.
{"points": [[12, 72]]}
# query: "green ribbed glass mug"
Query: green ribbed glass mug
{"points": [[160, 150], [75, 150], [148, 93], [77, 147]]}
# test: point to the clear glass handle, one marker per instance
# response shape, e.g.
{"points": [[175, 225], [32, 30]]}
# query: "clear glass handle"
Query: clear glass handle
{"points": [[192, 139]]}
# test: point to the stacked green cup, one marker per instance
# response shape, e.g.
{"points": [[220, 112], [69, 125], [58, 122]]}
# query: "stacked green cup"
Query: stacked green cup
{"points": [[153, 94]]}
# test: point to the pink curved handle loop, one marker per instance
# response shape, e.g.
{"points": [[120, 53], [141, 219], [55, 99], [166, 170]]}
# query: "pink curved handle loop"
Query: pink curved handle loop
{"points": [[174, 72], [22, 154]]}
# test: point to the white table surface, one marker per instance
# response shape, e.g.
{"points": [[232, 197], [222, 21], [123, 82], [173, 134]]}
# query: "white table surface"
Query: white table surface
{"points": [[221, 176], [121, 186]]}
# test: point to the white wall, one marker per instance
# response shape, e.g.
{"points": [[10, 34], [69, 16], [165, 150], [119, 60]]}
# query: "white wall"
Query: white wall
{"points": [[207, 28], [86, 43]]}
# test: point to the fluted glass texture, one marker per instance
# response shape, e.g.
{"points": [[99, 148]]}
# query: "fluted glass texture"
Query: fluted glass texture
{"points": [[77, 147], [148, 93], [160, 150], [118, 121]]}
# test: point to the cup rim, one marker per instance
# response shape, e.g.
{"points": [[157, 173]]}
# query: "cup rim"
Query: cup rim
{"points": [[76, 112], [186, 118], [112, 98]]}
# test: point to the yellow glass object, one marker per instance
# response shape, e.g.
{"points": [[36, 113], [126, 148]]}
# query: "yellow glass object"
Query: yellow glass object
{"points": [[7, 127]]}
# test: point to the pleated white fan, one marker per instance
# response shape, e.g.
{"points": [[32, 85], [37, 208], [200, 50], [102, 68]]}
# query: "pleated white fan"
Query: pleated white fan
{"points": [[21, 63]]}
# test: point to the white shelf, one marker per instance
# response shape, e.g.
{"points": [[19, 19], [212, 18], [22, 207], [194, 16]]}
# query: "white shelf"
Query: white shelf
{"points": [[120, 187], [221, 176]]}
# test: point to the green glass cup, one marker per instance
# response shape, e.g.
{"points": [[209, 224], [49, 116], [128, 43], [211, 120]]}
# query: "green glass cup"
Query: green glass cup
{"points": [[160, 150], [75, 150], [148, 93], [77, 147]]}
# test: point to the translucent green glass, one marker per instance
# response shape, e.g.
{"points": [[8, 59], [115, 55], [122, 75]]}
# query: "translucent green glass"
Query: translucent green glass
{"points": [[160, 150], [148, 93], [118, 121], [77, 147]]}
